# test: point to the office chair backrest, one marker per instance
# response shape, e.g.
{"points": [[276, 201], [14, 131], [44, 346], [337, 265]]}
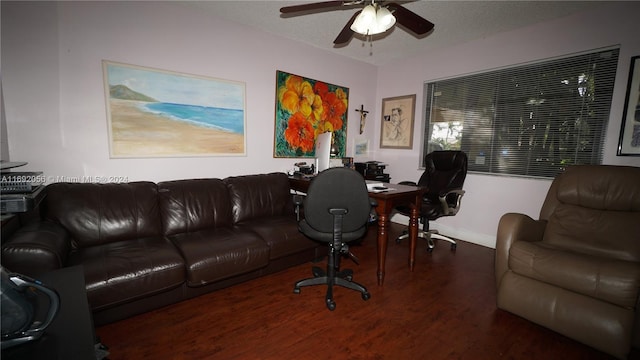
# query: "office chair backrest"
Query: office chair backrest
{"points": [[337, 188], [443, 170]]}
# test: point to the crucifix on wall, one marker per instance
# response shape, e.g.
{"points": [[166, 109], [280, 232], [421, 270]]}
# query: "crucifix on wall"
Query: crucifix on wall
{"points": [[363, 117]]}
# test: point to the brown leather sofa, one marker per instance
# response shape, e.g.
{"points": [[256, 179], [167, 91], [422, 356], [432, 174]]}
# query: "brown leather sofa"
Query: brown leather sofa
{"points": [[576, 270], [144, 245]]}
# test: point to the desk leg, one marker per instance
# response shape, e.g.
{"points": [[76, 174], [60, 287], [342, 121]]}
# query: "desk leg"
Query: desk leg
{"points": [[413, 236], [383, 240]]}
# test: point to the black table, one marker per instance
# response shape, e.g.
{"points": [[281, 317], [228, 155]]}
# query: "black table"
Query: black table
{"points": [[71, 335]]}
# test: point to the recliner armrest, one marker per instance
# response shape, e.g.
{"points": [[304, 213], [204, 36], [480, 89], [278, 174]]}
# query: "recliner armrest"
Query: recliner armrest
{"points": [[36, 248], [511, 228]]}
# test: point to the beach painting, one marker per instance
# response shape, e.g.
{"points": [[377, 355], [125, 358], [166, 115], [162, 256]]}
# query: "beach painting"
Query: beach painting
{"points": [[159, 113], [306, 108]]}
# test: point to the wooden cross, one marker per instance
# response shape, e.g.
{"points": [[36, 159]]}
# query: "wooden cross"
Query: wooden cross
{"points": [[363, 117]]}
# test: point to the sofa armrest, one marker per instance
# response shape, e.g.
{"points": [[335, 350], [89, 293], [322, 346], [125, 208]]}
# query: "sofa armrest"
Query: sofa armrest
{"points": [[511, 228], [36, 248]]}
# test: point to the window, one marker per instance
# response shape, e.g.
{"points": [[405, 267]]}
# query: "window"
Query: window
{"points": [[530, 120]]}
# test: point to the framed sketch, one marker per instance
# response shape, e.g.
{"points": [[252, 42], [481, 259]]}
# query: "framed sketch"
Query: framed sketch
{"points": [[306, 108], [397, 122], [159, 113], [629, 143]]}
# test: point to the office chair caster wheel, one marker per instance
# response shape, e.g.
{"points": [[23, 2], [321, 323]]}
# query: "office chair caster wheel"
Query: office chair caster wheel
{"points": [[366, 296], [296, 290], [317, 272], [430, 249], [346, 274], [331, 305], [399, 238], [453, 247]]}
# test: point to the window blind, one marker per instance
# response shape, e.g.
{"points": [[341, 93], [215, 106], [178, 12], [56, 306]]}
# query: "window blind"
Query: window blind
{"points": [[529, 120]]}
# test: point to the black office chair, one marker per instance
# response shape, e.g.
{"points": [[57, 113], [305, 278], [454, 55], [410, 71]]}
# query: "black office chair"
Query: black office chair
{"points": [[443, 176], [336, 211]]}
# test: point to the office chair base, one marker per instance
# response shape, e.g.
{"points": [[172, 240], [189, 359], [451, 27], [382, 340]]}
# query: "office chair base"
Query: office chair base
{"points": [[429, 236], [345, 274], [342, 278]]}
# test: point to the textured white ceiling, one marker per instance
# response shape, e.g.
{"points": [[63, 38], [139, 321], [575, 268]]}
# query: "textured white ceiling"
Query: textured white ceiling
{"points": [[455, 22]]}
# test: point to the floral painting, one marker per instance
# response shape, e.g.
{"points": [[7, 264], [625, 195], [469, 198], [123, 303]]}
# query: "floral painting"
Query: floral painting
{"points": [[304, 109]]}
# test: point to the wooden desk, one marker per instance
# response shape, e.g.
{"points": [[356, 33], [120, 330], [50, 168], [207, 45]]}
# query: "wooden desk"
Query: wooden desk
{"points": [[400, 195]]}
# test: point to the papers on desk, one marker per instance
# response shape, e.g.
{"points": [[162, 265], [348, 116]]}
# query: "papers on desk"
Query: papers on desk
{"points": [[377, 187]]}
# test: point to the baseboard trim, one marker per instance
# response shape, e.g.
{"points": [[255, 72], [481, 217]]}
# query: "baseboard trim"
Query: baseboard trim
{"points": [[456, 233]]}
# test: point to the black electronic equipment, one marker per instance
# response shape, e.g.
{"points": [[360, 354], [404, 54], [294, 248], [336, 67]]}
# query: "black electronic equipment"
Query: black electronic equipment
{"points": [[28, 308], [372, 170], [20, 182], [21, 202], [304, 169], [21, 191]]}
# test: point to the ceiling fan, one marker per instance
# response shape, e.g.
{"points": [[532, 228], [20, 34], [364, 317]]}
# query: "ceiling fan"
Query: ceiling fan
{"points": [[373, 18]]}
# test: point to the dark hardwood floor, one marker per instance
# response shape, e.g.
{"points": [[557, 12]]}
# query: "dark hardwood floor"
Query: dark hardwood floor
{"points": [[445, 309]]}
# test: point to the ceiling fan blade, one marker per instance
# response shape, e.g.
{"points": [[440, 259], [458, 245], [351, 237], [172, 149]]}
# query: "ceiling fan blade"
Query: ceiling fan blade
{"points": [[311, 6], [346, 33], [410, 20]]}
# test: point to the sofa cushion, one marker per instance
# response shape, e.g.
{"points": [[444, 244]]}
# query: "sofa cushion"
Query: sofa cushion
{"points": [[281, 234], [194, 205], [611, 280], [123, 271], [216, 254], [96, 214], [259, 196]]}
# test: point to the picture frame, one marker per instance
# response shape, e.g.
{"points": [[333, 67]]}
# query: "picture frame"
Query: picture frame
{"points": [[629, 142], [396, 128], [306, 108], [361, 146], [161, 113]]}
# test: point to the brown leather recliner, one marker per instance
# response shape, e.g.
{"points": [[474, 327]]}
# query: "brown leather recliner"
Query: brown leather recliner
{"points": [[576, 270]]}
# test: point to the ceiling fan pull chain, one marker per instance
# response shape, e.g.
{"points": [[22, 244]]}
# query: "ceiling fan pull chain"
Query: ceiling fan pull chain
{"points": [[370, 46], [367, 39]]}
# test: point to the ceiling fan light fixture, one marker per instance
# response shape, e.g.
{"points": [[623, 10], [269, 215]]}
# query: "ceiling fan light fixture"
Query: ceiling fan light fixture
{"points": [[385, 18], [373, 20]]}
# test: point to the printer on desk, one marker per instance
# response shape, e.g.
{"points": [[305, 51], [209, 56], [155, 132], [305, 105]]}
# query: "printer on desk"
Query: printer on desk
{"points": [[373, 170]]}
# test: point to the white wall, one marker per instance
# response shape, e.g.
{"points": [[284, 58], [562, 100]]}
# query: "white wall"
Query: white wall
{"points": [[55, 103], [488, 197], [54, 94], [4, 140]]}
